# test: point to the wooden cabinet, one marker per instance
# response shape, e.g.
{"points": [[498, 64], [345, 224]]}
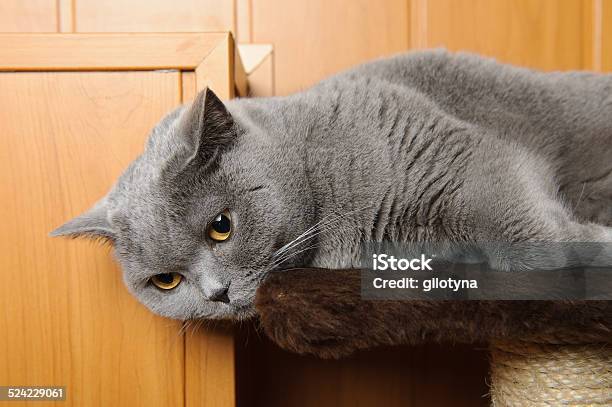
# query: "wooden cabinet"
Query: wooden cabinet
{"points": [[74, 111]]}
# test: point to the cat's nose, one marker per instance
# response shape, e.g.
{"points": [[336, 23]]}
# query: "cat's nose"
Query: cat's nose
{"points": [[220, 295]]}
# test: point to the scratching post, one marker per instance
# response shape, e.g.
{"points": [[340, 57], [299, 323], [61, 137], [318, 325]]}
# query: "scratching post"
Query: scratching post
{"points": [[543, 353], [550, 374]]}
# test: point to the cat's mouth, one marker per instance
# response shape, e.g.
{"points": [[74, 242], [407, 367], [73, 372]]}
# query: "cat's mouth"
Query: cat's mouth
{"points": [[229, 311]]}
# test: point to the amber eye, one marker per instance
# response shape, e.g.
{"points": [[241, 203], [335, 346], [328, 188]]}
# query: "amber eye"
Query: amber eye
{"points": [[221, 227], [166, 281]]}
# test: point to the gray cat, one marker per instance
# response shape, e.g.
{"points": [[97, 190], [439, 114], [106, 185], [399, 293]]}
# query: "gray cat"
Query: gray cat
{"points": [[421, 147]]}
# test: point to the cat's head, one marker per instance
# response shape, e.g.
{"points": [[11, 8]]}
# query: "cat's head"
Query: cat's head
{"points": [[195, 221]]}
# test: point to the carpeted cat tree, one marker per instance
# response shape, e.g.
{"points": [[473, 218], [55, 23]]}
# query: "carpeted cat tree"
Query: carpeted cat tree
{"points": [[543, 353]]}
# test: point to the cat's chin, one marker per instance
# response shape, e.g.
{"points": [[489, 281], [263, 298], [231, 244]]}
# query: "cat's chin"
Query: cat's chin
{"points": [[230, 312], [242, 313]]}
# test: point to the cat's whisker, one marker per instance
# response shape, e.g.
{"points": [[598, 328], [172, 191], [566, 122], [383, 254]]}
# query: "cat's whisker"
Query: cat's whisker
{"points": [[278, 263], [326, 221], [579, 197], [289, 250], [196, 326], [182, 330], [310, 236], [316, 229], [284, 257], [277, 266], [304, 234], [294, 255]]}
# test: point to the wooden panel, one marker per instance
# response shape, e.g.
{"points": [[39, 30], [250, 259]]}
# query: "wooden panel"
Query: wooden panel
{"points": [[258, 61], [243, 21], [591, 38], [241, 85], [209, 366], [261, 80], [313, 39], [154, 15], [546, 34], [66, 15], [217, 69], [106, 51], [420, 376], [605, 19], [65, 316], [209, 348], [189, 88], [28, 15]]}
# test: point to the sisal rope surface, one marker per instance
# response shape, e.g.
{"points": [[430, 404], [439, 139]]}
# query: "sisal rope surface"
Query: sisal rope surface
{"points": [[525, 374]]}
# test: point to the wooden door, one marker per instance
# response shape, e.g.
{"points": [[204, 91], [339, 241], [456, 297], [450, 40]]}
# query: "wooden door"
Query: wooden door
{"points": [[74, 111]]}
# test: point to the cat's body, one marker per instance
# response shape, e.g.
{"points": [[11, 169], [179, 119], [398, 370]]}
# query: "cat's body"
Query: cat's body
{"points": [[442, 147], [421, 147]]}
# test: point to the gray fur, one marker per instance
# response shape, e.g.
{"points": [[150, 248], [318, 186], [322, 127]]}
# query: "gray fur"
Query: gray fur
{"points": [[426, 146]]}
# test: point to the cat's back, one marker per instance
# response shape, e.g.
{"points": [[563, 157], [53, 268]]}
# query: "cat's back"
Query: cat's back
{"points": [[563, 118], [499, 97]]}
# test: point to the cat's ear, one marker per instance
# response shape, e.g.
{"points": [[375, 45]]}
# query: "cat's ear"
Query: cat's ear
{"points": [[207, 127], [93, 224]]}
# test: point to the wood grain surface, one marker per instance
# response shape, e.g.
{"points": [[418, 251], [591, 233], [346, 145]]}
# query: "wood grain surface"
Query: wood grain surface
{"points": [[313, 39], [154, 15], [143, 51], [545, 34], [65, 316], [28, 15]]}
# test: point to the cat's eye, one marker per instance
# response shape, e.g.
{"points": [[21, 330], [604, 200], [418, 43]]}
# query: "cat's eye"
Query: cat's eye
{"points": [[220, 228], [166, 281]]}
